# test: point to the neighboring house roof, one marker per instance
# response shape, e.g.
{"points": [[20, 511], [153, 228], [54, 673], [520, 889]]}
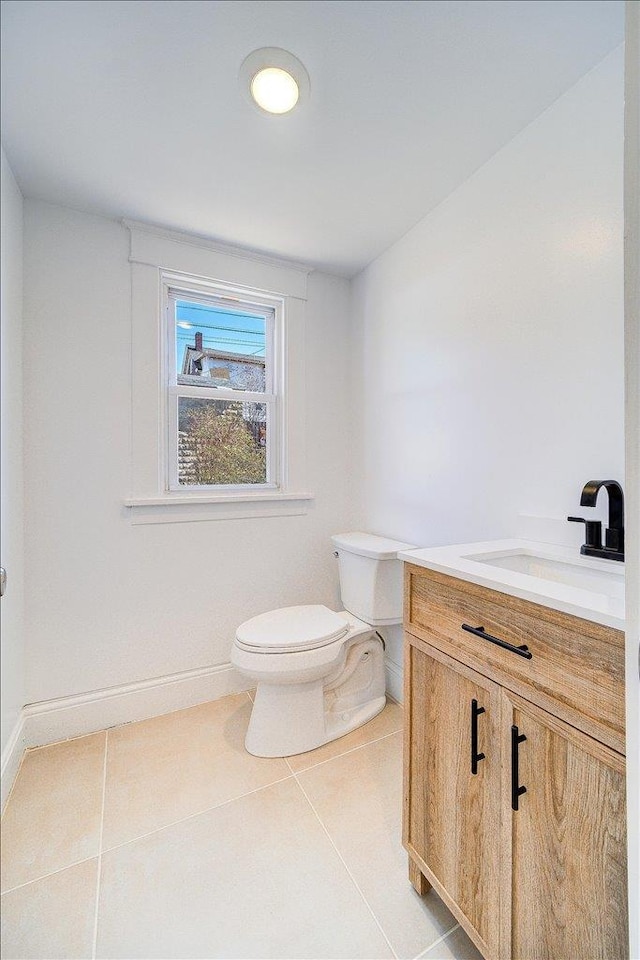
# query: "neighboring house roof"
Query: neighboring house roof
{"points": [[193, 356]]}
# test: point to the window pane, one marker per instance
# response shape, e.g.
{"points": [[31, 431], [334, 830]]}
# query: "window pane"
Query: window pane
{"points": [[219, 348], [221, 442]]}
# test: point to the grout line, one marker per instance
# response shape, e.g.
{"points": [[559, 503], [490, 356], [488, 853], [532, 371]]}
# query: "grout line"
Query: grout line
{"points": [[45, 876], [99, 870], [198, 813], [56, 743], [143, 836], [360, 746], [344, 864], [436, 942]]}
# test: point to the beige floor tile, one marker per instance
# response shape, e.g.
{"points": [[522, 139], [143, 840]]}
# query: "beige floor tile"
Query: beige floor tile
{"points": [[53, 917], [167, 768], [256, 877], [52, 818], [457, 946], [358, 798], [385, 723]]}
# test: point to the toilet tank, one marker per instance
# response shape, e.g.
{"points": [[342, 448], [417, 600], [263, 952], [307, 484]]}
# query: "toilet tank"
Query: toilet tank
{"points": [[370, 576]]}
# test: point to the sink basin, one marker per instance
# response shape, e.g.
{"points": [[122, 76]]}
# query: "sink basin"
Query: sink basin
{"points": [[595, 576]]}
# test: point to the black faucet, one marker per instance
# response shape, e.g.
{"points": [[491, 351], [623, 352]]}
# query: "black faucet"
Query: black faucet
{"points": [[614, 535]]}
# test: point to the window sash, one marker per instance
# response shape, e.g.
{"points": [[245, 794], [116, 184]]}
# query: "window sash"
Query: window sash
{"points": [[229, 305], [211, 392], [271, 448], [174, 390]]}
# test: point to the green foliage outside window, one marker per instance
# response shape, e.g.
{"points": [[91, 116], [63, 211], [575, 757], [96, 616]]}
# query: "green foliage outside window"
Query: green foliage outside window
{"points": [[217, 445]]}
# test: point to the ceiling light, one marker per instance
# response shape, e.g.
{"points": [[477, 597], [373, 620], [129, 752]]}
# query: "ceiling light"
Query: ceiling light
{"points": [[273, 80], [275, 90]]}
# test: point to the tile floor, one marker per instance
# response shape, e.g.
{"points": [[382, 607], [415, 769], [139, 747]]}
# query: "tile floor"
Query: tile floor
{"points": [[164, 838]]}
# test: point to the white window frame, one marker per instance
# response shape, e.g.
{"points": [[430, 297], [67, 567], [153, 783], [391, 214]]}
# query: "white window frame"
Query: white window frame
{"points": [[163, 258], [271, 309]]}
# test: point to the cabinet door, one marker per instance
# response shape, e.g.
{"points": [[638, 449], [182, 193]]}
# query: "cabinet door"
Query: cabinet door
{"points": [[452, 815], [568, 841]]}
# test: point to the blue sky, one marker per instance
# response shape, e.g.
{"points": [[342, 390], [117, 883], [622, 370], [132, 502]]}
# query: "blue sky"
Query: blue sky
{"points": [[221, 330]]}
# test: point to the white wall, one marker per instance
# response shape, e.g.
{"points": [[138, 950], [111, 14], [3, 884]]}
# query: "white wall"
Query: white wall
{"points": [[490, 337], [111, 603], [11, 534]]}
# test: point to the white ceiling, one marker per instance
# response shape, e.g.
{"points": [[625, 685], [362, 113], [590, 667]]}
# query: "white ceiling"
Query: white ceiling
{"points": [[133, 108]]}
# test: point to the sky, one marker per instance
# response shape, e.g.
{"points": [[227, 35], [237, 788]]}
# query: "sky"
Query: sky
{"points": [[232, 332]]}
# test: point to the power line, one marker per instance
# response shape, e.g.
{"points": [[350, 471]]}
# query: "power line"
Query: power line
{"points": [[214, 340], [215, 326]]}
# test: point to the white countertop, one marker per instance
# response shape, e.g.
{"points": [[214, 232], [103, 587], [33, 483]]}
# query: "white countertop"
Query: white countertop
{"points": [[589, 604]]}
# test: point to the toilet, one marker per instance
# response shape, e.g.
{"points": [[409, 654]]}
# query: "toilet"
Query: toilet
{"points": [[320, 674]]}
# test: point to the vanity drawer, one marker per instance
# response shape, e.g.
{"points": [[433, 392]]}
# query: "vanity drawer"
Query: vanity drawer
{"points": [[572, 667]]}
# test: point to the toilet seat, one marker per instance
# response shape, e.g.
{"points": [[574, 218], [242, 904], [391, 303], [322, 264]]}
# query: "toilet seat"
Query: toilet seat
{"points": [[292, 630]]}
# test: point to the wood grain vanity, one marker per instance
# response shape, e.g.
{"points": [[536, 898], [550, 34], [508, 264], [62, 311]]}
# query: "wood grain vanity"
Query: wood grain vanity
{"points": [[515, 770]]}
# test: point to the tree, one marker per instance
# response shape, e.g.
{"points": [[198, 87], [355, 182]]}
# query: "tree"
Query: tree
{"points": [[218, 447]]}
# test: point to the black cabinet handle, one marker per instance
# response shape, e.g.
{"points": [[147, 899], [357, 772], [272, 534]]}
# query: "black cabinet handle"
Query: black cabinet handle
{"points": [[522, 651], [516, 790], [475, 756]]}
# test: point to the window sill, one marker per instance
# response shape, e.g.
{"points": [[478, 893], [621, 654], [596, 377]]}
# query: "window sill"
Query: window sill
{"points": [[191, 508], [174, 498]]}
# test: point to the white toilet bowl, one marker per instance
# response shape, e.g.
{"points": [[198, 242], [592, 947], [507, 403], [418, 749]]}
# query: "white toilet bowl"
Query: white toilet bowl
{"points": [[319, 674]]}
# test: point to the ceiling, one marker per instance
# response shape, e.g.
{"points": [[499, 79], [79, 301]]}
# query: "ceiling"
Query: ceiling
{"points": [[133, 109]]}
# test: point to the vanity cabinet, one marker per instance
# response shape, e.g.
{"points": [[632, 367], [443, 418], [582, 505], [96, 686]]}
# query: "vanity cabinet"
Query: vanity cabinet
{"points": [[514, 779]]}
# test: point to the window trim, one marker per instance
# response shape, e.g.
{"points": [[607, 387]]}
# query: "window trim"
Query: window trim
{"points": [[272, 308], [153, 252]]}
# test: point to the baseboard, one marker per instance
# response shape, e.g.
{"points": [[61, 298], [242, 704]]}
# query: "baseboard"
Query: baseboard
{"points": [[11, 758], [394, 677], [52, 720]]}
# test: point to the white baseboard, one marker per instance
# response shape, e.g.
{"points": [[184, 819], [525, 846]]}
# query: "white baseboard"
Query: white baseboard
{"points": [[395, 680], [51, 720]]}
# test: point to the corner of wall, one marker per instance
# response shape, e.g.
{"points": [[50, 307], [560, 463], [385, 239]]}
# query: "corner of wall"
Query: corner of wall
{"points": [[12, 507]]}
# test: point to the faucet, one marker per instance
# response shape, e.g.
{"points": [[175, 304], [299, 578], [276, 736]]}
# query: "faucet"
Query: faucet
{"points": [[613, 548]]}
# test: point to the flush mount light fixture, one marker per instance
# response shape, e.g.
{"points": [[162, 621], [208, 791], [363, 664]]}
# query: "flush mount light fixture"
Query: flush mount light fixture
{"points": [[275, 90], [273, 80]]}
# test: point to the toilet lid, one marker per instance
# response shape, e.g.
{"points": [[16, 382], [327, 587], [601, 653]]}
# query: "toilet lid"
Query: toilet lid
{"points": [[292, 629]]}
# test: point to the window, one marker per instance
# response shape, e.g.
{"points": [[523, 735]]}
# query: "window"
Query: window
{"points": [[223, 389], [218, 412]]}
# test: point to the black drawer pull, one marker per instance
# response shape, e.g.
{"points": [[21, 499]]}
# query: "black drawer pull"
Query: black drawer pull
{"points": [[475, 756], [516, 790], [522, 651]]}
